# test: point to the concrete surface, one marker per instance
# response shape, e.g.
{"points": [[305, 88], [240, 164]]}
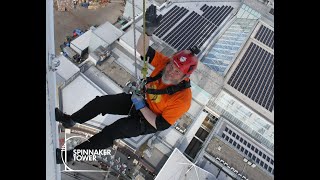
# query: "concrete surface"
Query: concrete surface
{"points": [[235, 160], [66, 21]]}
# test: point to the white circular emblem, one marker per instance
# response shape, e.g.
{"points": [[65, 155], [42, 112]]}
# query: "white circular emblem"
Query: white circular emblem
{"points": [[183, 59]]}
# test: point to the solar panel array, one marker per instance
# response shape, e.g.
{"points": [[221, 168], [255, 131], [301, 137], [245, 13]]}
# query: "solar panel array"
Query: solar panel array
{"points": [[170, 19], [265, 35], [195, 29], [216, 14], [254, 76]]}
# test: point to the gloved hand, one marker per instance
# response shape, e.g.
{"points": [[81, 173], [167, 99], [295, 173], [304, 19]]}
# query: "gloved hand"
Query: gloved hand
{"points": [[138, 101], [152, 21]]}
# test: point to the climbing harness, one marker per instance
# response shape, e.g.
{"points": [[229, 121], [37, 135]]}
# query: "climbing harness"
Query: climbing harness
{"points": [[169, 90], [139, 88]]}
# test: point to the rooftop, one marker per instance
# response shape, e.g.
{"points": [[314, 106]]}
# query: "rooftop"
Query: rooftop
{"points": [[179, 167], [112, 35], [217, 148]]}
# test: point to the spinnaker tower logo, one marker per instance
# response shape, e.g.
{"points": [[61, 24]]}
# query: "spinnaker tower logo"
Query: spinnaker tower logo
{"points": [[81, 155]]}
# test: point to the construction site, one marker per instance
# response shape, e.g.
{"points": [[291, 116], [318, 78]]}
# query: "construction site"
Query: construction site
{"points": [[69, 17], [228, 132]]}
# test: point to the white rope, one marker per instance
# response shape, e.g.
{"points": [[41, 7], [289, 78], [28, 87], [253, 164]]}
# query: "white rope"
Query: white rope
{"points": [[134, 40]]}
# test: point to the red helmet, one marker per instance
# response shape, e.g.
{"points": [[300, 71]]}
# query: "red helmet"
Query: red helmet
{"points": [[186, 61]]}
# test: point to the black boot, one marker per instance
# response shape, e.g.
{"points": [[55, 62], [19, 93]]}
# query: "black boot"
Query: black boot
{"points": [[60, 154], [65, 120]]}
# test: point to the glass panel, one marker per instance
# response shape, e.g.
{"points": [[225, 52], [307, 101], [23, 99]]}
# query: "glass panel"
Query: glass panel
{"points": [[242, 149], [257, 160], [233, 134], [264, 156], [254, 157], [237, 34], [236, 113], [245, 152], [268, 158], [234, 143]]}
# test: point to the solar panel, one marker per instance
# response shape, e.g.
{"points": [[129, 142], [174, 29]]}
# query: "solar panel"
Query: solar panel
{"points": [[170, 20], [265, 35], [235, 75], [248, 73], [188, 33], [265, 74], [219, 16], [193, 34], [260, 67], [177, 33], [210, 10], [195, 29], [226, 12], [255, 74], [211, 15], [185, 30], [203, 8], [205, 34], [254, 77]]}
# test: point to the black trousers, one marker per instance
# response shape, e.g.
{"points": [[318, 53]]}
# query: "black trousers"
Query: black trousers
{"points": [[120, 104]]}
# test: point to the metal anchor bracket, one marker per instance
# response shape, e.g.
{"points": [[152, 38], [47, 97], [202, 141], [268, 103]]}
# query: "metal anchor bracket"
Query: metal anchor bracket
{"points": [[53, 62]]}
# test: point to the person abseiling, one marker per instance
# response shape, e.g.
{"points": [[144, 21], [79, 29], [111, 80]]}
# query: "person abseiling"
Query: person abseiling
{"points": [[167, 96]]}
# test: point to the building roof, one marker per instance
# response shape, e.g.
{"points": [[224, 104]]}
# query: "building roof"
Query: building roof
{"points": [[136, 142], [179, 167], [82, 42], [107, 32], [66, 69], [128, 38], [102, 80]]}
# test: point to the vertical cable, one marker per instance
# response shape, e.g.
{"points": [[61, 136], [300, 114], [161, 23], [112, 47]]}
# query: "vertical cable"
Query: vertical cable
{"points": [[134, 40], [144, 68]]}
